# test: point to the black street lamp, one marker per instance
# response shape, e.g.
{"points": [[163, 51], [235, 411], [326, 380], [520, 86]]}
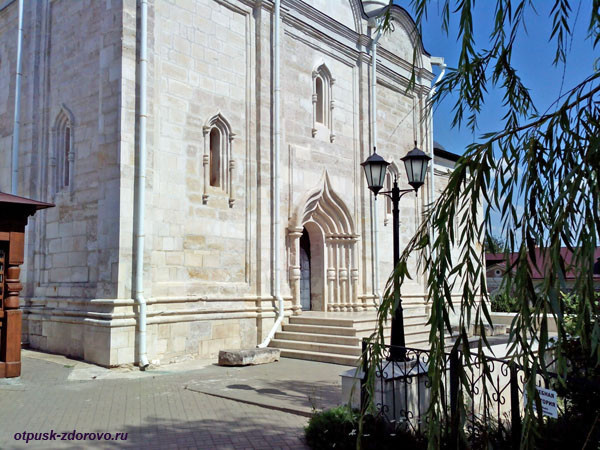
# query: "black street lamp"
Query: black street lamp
{"points": [[375, 168]]}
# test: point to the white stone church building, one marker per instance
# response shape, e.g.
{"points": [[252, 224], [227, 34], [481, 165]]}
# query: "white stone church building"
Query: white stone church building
{"points": [[209, 265]]}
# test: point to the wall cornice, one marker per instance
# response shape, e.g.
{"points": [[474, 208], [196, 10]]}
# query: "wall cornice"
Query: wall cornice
{"points": [[323, 20], [408, 66], [398, 82], [344, 54], [350, 42]]}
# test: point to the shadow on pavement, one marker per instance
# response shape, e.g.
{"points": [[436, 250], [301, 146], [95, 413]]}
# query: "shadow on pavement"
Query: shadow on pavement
{"points": [[253, 432]]}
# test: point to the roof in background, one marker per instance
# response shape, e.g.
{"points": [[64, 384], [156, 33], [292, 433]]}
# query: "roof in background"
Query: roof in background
{"points": [[437, 145], [538, 267], [440, 151]]}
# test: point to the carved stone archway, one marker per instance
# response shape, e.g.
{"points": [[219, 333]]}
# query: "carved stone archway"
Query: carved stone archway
{"points": [[322, 212]]}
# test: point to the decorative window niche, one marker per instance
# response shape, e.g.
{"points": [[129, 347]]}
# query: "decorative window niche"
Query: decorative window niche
{"points": [[218, 162], [323, 103]]}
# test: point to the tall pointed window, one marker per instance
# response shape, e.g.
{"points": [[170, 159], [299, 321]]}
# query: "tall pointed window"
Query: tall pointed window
{"points": [[62, 156], [320, 100], [323, 103], [218, 159], [67, 153]]}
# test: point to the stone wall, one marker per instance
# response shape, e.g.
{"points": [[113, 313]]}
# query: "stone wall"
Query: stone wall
{"points": [[72, 70], [207, 263], [8, 56]]}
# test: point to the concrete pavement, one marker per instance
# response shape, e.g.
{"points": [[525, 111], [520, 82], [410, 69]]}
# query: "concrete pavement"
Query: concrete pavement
{"points": [[194, 404]]}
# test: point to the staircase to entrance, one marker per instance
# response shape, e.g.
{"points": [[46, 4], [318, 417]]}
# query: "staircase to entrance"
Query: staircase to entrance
{"points": [[335, 337]]}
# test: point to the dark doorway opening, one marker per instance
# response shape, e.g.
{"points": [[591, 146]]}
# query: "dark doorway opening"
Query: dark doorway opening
{"points": [[305, 271]]}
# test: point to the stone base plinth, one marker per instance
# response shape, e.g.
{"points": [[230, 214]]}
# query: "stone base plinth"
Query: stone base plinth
{"points": [[351, 387], [401, 388], [248, 357]]}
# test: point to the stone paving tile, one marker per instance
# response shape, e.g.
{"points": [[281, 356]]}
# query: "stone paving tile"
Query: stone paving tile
{"points": [[155, 412]]}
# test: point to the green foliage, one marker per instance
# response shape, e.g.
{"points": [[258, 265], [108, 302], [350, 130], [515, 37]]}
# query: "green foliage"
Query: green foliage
{"points": [[579, 424], [569, 305], [569, 433], [339, 428], [332, 426], [494, 244], [569, 313], [504, 303], [549, 163], [581, 390]]}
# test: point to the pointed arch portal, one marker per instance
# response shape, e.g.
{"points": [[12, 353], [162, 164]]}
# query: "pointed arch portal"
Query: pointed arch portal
{"points": [[323, 249]]}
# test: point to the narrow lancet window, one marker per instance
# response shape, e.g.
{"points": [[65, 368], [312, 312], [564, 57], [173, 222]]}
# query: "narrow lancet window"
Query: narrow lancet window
{"points": [[320, 102], [61, 155], [67, 153]]}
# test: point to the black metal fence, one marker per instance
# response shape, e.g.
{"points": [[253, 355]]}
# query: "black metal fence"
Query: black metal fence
{"points": [[492, 390]]}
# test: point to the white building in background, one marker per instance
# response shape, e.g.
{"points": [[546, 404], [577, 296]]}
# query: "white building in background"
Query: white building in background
{"points": [[208, 261]]}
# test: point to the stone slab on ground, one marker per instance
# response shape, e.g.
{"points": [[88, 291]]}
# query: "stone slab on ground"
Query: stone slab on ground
{"points": [[495, 330], [248, 357]]}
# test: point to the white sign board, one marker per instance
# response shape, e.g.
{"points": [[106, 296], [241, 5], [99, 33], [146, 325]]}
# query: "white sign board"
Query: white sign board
{"points": [[549, 402]]}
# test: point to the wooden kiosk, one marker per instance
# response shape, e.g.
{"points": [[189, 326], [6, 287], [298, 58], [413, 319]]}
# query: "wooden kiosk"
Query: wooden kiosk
{"points": [[14, 212]]}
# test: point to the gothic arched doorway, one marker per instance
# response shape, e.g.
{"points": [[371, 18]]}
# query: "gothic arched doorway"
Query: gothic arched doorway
{"points": [[322, 242]]}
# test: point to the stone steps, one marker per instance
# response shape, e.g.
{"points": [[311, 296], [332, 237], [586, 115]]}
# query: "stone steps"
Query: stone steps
{"points": [[317, 347], [333, 358], [329, 344], [314, 337], [356, 322], [319, 329], [365, 331], [336, 337]]}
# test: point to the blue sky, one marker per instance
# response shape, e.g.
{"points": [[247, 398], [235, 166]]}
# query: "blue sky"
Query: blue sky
{"points": [[533, 58]]}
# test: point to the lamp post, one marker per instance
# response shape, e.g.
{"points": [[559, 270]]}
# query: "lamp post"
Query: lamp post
{"points": [[375, 168]]}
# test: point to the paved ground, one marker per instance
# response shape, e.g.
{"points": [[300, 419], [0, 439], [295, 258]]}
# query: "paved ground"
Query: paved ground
{"points": [[188, 405]]}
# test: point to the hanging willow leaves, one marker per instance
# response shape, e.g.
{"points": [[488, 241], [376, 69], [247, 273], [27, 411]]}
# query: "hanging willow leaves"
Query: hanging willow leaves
{"points": [[540, 173]]}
